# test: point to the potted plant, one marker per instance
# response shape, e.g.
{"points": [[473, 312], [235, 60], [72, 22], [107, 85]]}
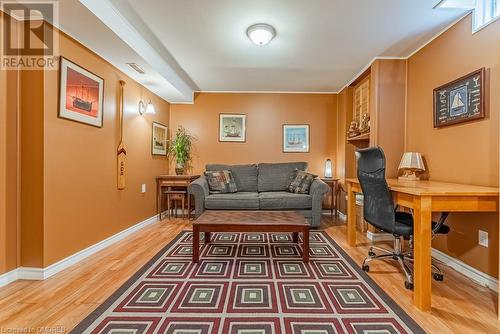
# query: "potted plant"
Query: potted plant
{"points": [[180, 149]]}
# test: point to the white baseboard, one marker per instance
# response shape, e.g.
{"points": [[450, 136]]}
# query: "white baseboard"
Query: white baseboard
{"points": [[29, 273], [379, 236], [466, 270], [9, 277]]}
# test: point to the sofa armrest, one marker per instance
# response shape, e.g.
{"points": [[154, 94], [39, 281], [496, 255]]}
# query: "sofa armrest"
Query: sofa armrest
{"points": [[199, 189], [318, 190]]}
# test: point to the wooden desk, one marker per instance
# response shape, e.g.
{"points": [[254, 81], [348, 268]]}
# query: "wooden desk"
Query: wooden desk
{"points": [[171, 182], [333, 184], [425, 197]]}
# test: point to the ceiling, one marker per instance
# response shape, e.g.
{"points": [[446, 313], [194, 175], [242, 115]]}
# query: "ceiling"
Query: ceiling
{"points": [[201, 45]]}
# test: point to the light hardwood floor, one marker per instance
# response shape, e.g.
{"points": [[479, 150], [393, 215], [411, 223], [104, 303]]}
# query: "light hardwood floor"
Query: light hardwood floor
{"points": [[458, 304]]}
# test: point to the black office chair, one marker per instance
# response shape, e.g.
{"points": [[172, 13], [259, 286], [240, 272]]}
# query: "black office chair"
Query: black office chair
{"points": [[380, 212]]}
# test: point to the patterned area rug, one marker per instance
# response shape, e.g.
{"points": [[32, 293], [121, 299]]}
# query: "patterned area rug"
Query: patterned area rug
{"points": [[249, 283]]}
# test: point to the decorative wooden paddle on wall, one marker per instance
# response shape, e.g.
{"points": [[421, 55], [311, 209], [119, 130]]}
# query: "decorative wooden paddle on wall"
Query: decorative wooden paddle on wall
{"points": [[122, 154]]}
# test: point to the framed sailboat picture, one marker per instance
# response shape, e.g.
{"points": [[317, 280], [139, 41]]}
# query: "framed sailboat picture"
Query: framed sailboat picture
{"points": [[232, 127], [159, 139], [295, 138], [461, 100], [81, 94]]}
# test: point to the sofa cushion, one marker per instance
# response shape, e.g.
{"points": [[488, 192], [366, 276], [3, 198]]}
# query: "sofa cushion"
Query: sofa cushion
{"points": [[221, 182], [245, 176], [283, 200], [277, 176], [301, 182], [234, 201]]}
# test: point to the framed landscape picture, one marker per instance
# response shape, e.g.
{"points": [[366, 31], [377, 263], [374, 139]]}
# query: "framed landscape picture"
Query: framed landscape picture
{"points": [[461, 100], [159, 139], [232, 127], [81, 94], [295, 138]]}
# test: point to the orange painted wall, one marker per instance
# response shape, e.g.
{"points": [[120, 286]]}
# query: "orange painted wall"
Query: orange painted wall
{"points": [[265, 115], [82, 205], [465, 153], [8, 167]]}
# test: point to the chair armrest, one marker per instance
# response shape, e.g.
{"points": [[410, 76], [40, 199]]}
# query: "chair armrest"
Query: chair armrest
{"points": [[199, 189]]}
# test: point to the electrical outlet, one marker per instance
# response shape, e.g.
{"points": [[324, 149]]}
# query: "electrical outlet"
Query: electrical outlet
{"points": [[483, 238], [143, 188]]}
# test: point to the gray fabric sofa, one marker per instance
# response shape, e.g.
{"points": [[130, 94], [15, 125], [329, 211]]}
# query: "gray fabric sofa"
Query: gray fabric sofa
{"points": [[261, 187]]}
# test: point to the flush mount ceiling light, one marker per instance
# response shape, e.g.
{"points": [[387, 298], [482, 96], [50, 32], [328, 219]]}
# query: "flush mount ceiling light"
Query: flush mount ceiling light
{"points": [[261, 33]]}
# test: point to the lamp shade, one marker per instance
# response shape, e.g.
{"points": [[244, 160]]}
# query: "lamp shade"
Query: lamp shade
{"points": [[328, 168], [412, 160]]}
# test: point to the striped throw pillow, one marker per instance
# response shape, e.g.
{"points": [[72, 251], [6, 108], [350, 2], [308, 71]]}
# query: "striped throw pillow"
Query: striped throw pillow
{"points": [[221, 182]]}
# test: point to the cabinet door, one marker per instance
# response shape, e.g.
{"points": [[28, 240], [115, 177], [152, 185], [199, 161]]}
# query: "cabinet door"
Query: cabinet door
{"points": [[362, 99]]}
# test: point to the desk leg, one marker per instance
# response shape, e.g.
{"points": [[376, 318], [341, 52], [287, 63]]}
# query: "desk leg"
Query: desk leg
{"points": [[305, 245], [351, 216], [422, 211]]}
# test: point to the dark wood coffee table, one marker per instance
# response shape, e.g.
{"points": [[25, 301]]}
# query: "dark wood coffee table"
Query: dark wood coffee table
{"points": [[250, 221]]}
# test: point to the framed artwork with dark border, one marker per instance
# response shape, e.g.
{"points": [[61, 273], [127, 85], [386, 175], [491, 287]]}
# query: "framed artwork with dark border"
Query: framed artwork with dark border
{"points": [[461, 100], [295, 138], [159, 135], [81, 94], [232, 127]]}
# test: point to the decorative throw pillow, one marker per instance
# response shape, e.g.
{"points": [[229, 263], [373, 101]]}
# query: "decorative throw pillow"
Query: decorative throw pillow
{"points": [[302, 182], [221, 182]]}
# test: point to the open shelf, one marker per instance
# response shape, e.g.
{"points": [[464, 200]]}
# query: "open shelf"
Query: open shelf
{"points": [[363, 136]]}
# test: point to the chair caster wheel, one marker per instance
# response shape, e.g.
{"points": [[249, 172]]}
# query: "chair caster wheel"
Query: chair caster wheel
{"points": [[408, 285], [365, 267], [438, 277], [371, 253]]}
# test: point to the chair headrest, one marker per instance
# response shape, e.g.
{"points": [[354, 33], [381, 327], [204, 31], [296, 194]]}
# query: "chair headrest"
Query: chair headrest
{"points": [[370, 159]]}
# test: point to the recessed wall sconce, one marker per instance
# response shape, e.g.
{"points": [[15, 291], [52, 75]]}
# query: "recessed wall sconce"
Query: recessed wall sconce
{"points": [[148, 108]]}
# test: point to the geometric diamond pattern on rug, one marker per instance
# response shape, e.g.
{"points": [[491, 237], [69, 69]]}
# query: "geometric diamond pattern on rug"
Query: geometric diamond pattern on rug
{"points": [[290, 269], [252, 269], [253, 251], [249, 283], [251, 297], [286, 251], [205, 297], [281, 237], [254, 238], [252, 326], [226, 237], [303, 298], [150, 297], [208, 268], [373, 326], [321, 251], [189, 325], [312, 326], [126, 324], [219, 250], [352, 298], [332, 269], [171, 269]]}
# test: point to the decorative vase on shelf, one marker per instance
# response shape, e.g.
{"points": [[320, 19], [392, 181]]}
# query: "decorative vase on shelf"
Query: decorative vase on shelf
{"points": [[179, 169]]}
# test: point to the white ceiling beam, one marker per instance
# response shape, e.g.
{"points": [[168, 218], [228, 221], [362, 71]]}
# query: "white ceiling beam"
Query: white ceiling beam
{"points": [[126, 24]]}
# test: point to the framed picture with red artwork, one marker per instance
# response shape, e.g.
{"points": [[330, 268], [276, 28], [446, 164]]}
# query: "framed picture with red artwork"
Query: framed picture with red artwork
{"points": [[81, 94]]}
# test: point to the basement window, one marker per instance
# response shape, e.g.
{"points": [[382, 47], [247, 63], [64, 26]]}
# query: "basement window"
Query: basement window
{"points": [[484, 12]]}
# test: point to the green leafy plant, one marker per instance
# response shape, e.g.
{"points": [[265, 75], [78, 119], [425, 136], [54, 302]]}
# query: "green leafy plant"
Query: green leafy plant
{"points": [[180, 149]]}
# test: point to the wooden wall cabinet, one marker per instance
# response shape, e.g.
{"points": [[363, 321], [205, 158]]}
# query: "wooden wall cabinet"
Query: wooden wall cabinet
{"points": [[380, 91]]}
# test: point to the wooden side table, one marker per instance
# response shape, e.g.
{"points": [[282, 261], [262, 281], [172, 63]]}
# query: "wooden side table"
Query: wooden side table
{"points": [[173, 182], [333, 184]]}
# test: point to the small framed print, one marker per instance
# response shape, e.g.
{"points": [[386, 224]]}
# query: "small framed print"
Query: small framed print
{"points": [[461, 100], [81, 94], [159, 139], [232, 127], [295, 138]]}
